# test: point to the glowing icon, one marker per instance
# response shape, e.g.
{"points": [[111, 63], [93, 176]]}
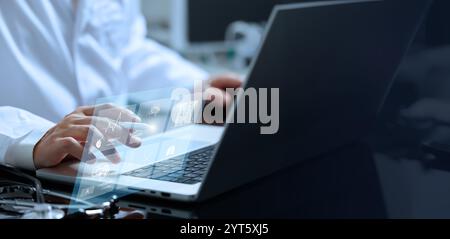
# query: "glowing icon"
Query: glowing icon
{"points": [[170, 151], [98, 145], [111, 126], [155, 110], [152, 128]]}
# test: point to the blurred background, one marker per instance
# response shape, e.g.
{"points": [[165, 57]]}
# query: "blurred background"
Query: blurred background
{"points": [[219, 35]]}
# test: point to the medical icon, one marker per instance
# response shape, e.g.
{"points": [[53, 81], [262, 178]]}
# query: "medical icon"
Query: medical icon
{"points": [[155, 110], [112, 127], [98, 144], [152, 112]]}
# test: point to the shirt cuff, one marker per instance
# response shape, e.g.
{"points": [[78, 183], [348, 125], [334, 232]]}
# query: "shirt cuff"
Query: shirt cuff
{"points": [[20, 154]]}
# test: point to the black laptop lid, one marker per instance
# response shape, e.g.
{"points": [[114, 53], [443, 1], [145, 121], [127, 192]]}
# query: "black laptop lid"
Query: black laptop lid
{"points": [[333, 63]]}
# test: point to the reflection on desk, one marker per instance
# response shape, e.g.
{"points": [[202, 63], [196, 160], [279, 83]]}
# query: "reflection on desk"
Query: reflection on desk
{"points": [[341, 184]]}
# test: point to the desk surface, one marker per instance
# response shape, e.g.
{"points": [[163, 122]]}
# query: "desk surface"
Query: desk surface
{"points": [[341, 184], [355, 181]]}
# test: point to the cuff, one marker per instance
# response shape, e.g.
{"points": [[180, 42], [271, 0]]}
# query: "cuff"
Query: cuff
{"points": [[20, 154]]}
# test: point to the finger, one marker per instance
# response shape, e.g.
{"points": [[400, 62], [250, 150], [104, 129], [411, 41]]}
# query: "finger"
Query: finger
{"points": [[86, 110], [73, 148], [93, 133], [69, 146], [115, 113], [109, 151], [226, 81], [137, 127], [132, 127], [213, 93], [102, 128], [90, 158], [111, 130], [83, 133], [95, 120], [84, 120], [90, 110], [110, 111], [217, 95]]}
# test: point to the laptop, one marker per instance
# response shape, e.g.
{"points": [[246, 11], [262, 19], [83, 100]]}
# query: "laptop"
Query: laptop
{"points": [[333, 63]]}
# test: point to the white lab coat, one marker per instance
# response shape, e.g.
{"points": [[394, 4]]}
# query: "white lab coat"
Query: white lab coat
{"points": [[55, 57]]}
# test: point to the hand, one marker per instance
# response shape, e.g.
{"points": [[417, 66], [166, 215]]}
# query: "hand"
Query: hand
{"points": [[218, 85], [67, 138], [216, 90]]}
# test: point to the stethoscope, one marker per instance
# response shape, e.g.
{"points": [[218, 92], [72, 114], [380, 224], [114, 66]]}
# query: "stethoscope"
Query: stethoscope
{"points": [[40, 209]]}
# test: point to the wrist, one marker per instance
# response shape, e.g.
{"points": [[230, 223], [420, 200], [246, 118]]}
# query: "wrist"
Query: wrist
{"points": [[21, 153]]}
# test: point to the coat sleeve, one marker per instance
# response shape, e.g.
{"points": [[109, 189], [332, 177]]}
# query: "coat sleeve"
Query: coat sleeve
{"points": [[149, 65], [19, 132]]}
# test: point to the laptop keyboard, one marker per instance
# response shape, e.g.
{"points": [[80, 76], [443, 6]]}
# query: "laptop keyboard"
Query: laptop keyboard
{"points": [[188, 169]]}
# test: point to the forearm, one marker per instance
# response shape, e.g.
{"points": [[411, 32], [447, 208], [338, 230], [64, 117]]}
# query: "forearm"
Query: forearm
{"points": [[19, 132]]}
